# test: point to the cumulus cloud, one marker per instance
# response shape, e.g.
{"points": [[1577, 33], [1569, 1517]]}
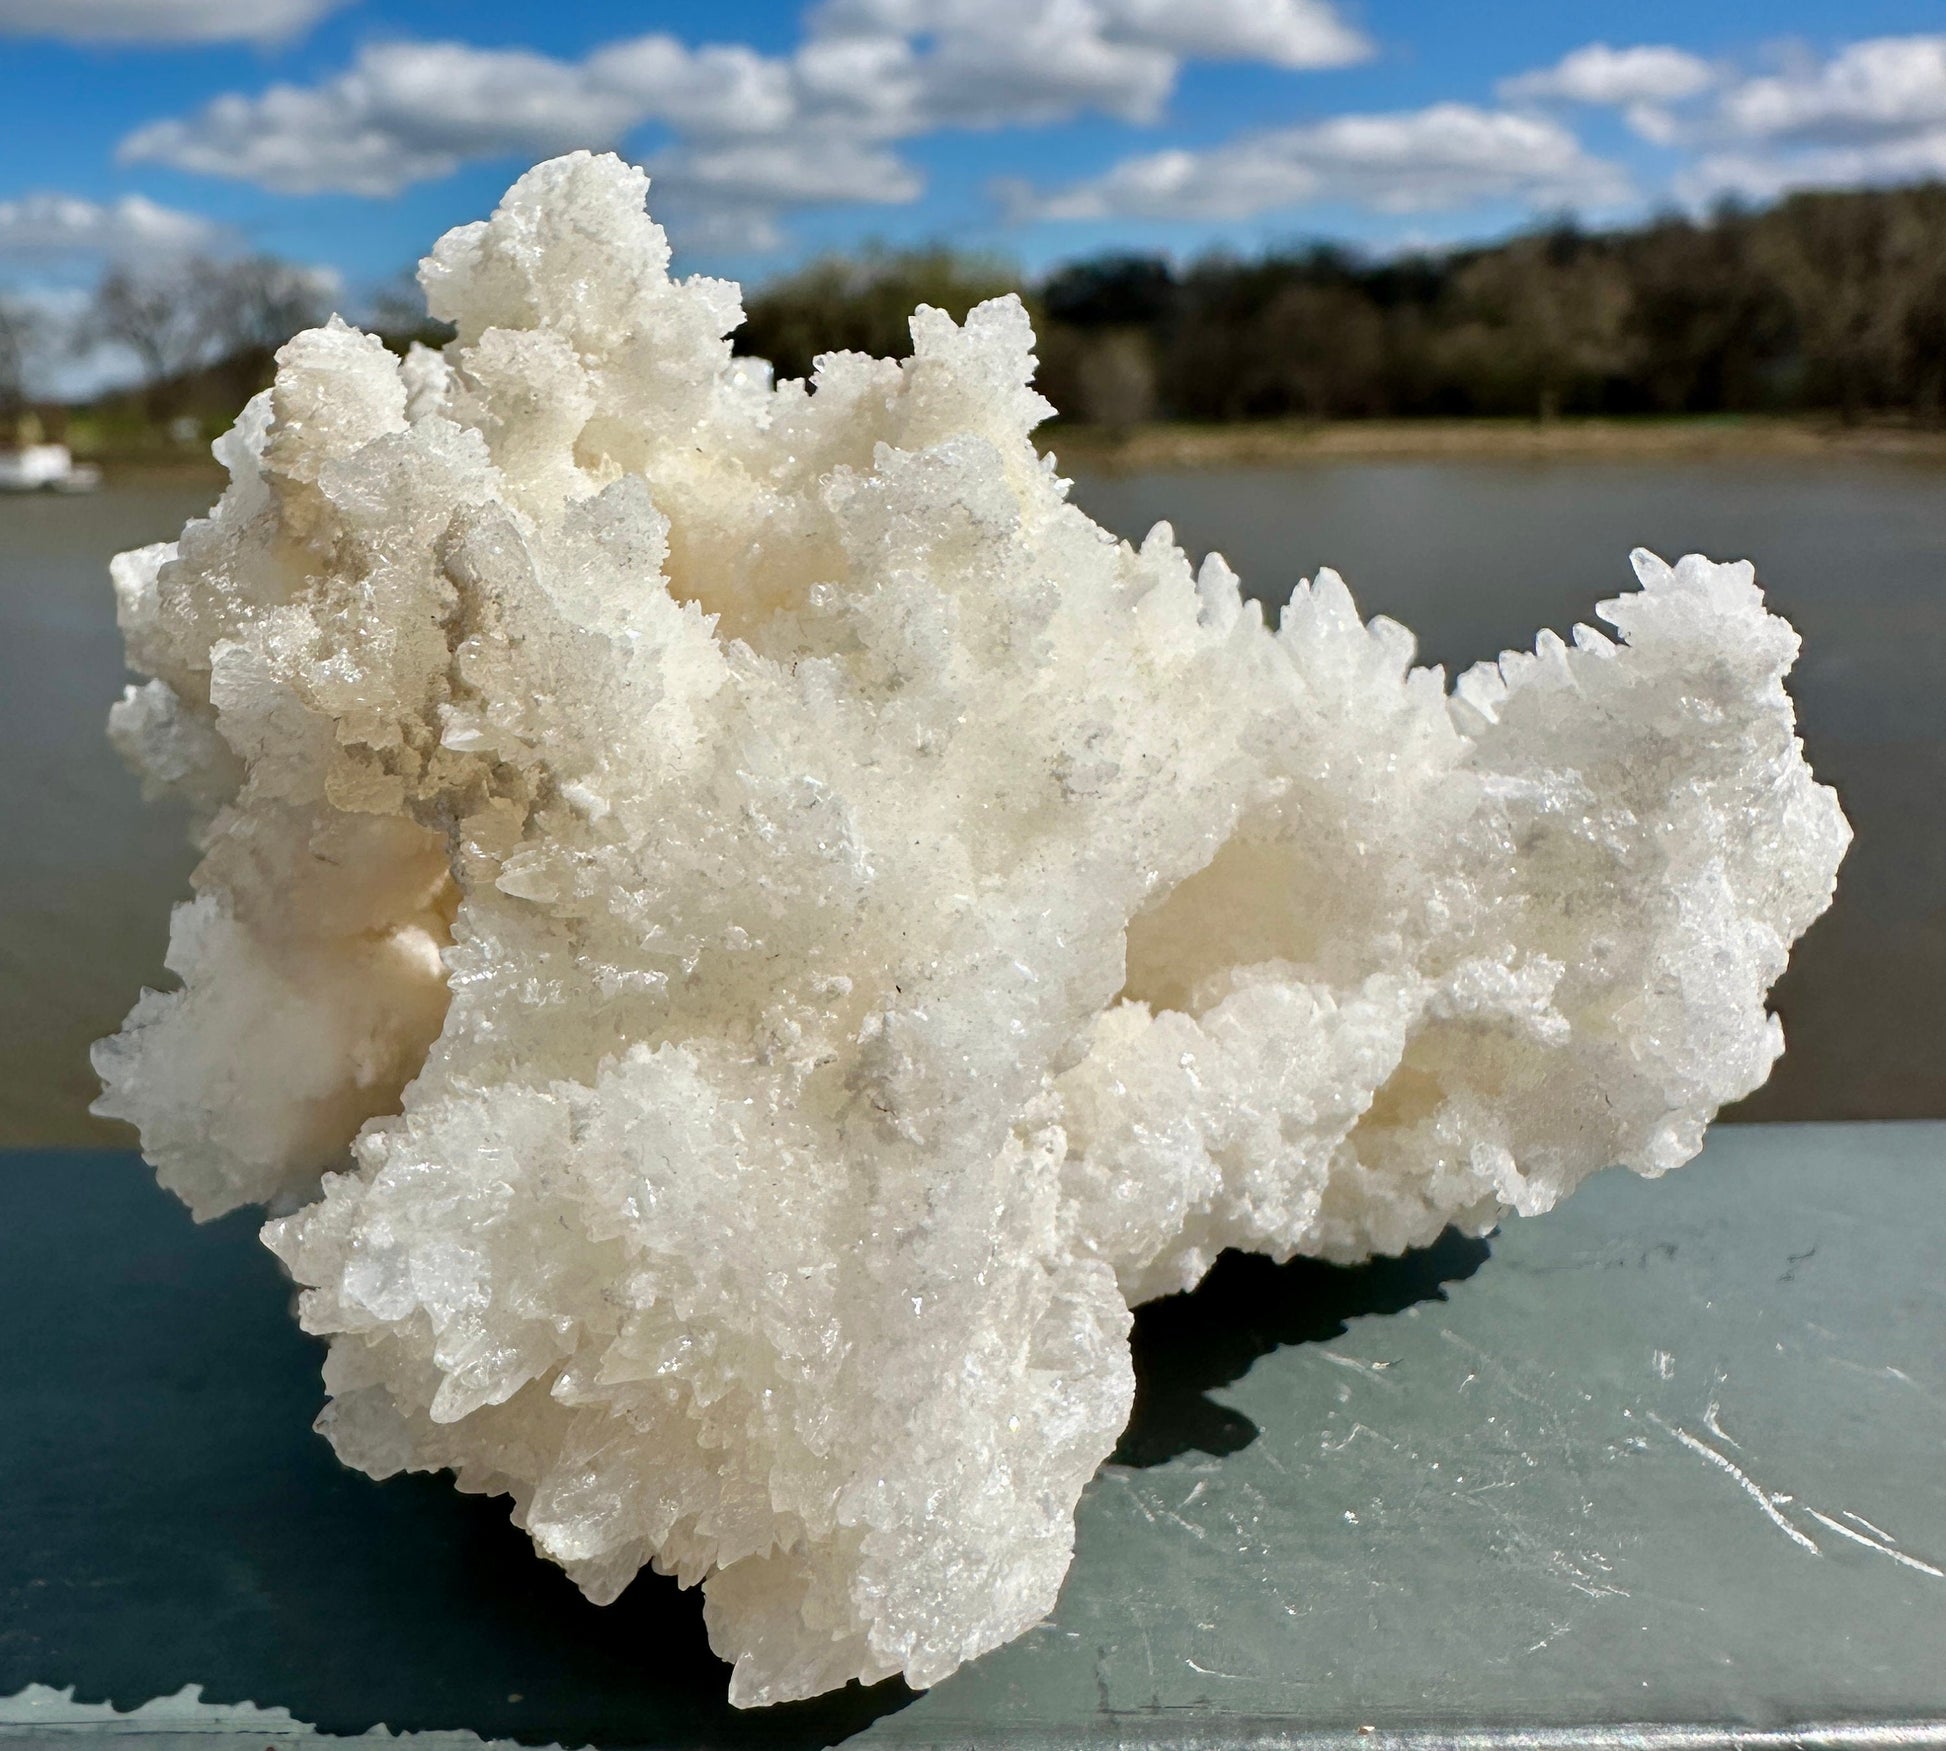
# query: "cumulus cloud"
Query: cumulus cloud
{"points": [[1643, 82], [988, 63], [1038, 42], [1875, 112], [403, 113], [1288, 33], [161, 20], [1872, 112], [757, 173], [45, 226], [984, 63], [721, 88], [1757, 176], [1888, 88], [766, 132], [1651, 73], [1447, 157], [1284, 33]]}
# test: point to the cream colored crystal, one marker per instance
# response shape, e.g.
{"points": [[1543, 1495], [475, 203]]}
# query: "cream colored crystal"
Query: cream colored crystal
{"points": [[798, 929]]}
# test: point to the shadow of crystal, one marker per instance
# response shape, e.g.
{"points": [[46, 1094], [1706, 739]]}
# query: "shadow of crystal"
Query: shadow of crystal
{"points": [[168, 1517], [1187, 1346]]}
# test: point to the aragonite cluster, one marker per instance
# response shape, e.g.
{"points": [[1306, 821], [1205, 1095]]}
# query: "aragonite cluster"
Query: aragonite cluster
{"points": [[739, 931]]}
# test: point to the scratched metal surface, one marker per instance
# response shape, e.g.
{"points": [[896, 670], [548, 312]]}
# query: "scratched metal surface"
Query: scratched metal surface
{"points": [[1666, 1467]]}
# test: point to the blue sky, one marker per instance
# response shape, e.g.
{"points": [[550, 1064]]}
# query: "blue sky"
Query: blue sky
{"points": [[349, 135]]}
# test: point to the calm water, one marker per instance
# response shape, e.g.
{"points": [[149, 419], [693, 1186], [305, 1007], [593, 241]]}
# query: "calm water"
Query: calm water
{"points": [[1473, 557]]}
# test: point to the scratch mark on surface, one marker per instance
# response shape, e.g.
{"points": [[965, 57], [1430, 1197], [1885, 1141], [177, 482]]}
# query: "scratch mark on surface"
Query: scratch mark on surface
{"points": [[1355, 1431], [1135, 1496], [1711, 1415], [1501, 1375], [1860, 1520], [1574, 1570], [1883, 1371], [1209, 1671], [1188, 1526], [1744, 1481], [1898, 1556], [1357, 1362]]}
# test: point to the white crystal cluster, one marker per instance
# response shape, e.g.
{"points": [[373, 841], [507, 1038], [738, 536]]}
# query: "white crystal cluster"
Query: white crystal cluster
{"points": [[759, 930]]}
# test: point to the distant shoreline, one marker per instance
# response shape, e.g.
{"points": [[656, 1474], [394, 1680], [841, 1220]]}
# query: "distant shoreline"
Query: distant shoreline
{"points": [[1282, 443], [1270, 443], [148, 468]]}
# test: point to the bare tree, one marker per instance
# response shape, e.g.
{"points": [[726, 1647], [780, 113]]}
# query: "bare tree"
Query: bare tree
{"points": [[398, 313], [194, 313], [158, 314], [249, 308], [258, 302], [23, 337]]}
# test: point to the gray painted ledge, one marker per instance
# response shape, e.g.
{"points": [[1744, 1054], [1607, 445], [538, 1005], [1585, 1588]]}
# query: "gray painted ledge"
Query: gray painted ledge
{"points": [[184, 1722], [1666, 1470]]}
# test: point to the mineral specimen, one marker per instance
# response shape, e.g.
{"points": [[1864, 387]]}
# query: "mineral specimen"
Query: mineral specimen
{"points": [[744, 931]]}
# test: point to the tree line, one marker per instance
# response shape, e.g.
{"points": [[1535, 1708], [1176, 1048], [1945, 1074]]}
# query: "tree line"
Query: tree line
{"points": [[201, 333], [1831, 303], [1824, 303]]}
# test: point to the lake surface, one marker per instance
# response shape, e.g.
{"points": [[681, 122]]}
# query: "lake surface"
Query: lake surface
{"points": [[1473, 557]]}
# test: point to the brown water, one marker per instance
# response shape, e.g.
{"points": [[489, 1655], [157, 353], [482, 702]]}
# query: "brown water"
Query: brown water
{"points": [[89, 870], [1474, 557]]}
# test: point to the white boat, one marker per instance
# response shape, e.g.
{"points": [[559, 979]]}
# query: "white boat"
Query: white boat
{"points": [[46, 468]]}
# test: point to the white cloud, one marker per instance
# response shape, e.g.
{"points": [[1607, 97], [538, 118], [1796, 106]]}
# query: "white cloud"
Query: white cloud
{"points": [[1284, 33], [1885, 88], [1651, 73], [408, 112], [1651, 122], [43, 226], [766, 132], [1438, 159], [1764, 177], [161, 21], [986, 63], [996, 62], [760, 173], [403, 113], [725, 88], [1875, 112], [874, 81]]}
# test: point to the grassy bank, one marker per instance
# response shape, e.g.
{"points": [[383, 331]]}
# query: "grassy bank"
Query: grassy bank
{"points": [[1292, 443], [1272, 443]]}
